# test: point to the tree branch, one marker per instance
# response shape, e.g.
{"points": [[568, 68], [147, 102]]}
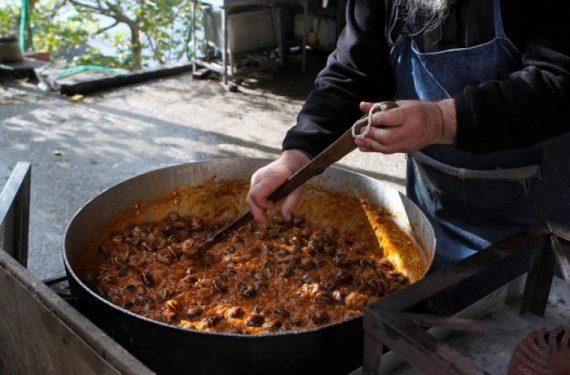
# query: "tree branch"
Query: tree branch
{"points": [[155, 53], [92, 8], [119, 15], [56, 9], [106, 28]]}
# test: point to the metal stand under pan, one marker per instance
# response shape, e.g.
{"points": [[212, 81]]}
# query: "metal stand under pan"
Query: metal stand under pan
{"points": [[392, 360], [397, 322]]}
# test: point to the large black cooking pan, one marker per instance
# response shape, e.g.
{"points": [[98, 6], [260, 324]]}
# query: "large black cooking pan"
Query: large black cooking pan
{"points": [[332, 349]]}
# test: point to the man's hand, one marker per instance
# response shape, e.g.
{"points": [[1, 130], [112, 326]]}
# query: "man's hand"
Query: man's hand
{"points": [[410, 127], [267, 179]]}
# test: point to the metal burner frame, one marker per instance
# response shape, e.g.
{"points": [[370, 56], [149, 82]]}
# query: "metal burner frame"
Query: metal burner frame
{"points": [[391, 323]]}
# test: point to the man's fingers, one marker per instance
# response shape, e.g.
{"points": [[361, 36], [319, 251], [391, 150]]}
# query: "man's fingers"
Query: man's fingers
{"points": [[257, 198], [260, 192], [386, 136], [371, 144], [267, 179], [391, 117], [257, 212], [361, 144], [289, 204]]}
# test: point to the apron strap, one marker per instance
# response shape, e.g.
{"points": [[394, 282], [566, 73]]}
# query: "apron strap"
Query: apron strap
{"points": [[409, 20], [498, 19]]}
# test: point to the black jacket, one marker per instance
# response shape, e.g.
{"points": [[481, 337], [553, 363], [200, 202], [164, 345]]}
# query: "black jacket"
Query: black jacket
{"points": [[530, 106]]}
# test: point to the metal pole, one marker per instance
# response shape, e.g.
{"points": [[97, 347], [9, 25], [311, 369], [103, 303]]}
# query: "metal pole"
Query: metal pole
{"points": [[194, 49], [225, 44], [276, 17], [305, 5]]}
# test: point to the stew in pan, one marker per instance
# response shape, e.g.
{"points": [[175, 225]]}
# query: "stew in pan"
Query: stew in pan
{"points": [[290, 276]]}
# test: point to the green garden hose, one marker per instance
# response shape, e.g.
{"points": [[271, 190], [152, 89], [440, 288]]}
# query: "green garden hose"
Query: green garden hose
{"points": [[24, 19], [85, 68]]}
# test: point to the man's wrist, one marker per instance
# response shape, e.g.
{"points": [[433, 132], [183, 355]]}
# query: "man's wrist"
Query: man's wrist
{"points": [[448, 121], [294, 158]]}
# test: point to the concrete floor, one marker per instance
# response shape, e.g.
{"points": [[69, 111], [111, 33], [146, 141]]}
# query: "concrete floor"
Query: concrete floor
{"points": [[79, 149]]}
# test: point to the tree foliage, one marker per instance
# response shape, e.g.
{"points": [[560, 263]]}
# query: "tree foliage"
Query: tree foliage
{"points": [[8, 20], [140, 32]]}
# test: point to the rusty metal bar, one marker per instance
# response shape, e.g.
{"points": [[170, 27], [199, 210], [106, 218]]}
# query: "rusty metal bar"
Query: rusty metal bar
{"points": [[15, 213], [451, 322], [421, 349]]}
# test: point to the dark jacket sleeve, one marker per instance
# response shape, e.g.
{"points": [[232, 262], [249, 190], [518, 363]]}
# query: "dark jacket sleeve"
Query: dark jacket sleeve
{"points": [[531, 105], [359, 69]]}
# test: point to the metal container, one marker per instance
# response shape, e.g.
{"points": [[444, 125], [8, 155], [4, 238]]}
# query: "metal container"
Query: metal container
{"points": [[10, 50], [254, 29], [332, 349]]}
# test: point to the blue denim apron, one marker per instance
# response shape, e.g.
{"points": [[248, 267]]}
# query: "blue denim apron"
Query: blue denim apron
{"points": [[475, 200]]}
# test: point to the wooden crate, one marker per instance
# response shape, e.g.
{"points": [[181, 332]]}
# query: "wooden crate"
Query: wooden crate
{"points": [[40, 333]]}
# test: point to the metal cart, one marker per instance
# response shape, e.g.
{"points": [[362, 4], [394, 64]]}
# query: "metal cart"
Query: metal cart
{"points": [[225, 6]]}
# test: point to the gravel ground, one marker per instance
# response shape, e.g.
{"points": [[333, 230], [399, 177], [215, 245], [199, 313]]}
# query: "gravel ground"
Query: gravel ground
{"points": [[77, 149]]}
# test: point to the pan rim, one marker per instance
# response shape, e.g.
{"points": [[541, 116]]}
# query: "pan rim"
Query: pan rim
{"points": [[69, 269]]}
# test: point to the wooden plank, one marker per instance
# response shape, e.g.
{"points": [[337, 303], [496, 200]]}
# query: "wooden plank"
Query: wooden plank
{"points": [[539, 281], [562, 254], [373, 351], [452, 323], [15, 213], [420, 348], [42, 334]]}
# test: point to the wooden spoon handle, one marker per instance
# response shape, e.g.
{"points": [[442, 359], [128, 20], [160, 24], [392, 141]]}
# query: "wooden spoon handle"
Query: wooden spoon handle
{"points": [[336, 151]]}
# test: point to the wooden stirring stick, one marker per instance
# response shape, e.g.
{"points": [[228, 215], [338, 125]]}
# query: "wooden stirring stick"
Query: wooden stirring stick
{"points": [[336, 151]]}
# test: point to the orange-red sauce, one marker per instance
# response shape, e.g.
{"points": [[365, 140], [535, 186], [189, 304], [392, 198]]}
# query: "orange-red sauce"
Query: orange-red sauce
{"points": [[290, 276]]}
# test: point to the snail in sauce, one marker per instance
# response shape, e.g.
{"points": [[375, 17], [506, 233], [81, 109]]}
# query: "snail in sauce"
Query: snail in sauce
{"points": [[290, 276]]}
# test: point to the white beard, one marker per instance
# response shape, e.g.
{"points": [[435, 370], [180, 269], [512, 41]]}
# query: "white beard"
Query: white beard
{"points": [[431, 12], [428, 6]]}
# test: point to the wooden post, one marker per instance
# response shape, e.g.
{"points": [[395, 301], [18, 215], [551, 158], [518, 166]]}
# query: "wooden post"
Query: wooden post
{"points": [[15, 213], [539, 280], [373, 350], [40, 333]]}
